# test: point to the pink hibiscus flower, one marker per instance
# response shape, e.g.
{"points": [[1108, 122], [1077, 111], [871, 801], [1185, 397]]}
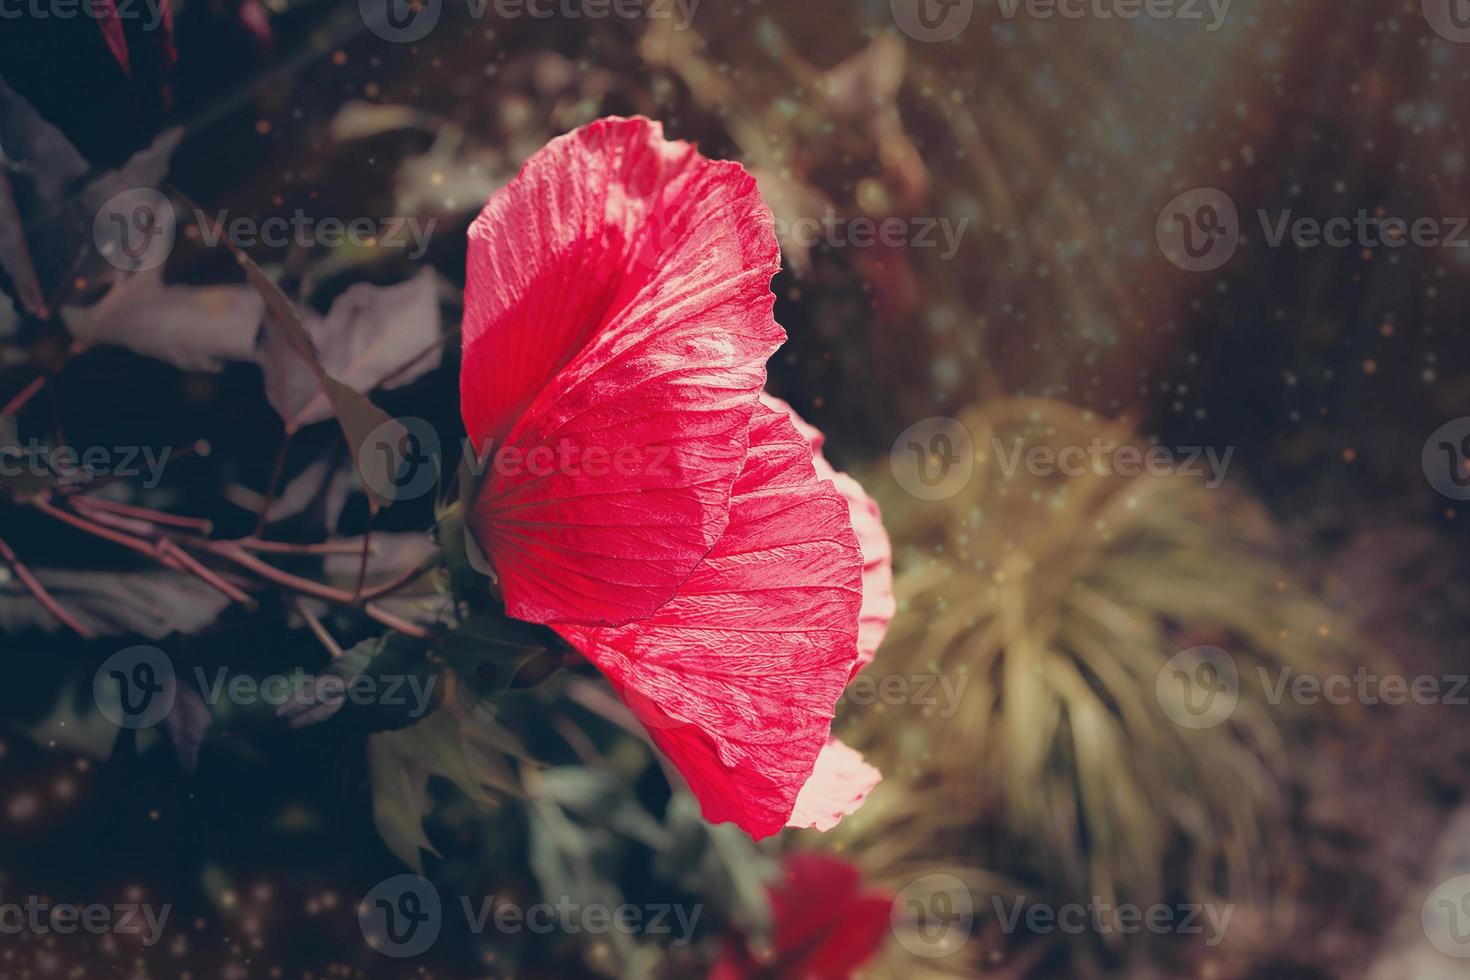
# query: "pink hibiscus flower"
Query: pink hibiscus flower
{"points": [[826, 926], [641, 498]]}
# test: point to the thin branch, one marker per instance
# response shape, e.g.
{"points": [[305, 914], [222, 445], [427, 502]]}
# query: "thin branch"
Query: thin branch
{"points": [[165, 551], [578, 740], [233, 552], [287, 548], [398, 581], [26, 394], [45, 598], [145, 514], [191, 564], [129, 541], [270, 488], [138, 528], [367, 543], [395, 623], [317, 629]]}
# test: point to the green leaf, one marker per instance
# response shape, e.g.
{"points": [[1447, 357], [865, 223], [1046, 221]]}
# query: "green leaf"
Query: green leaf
{"points": [[381, 684], [472, 757]]}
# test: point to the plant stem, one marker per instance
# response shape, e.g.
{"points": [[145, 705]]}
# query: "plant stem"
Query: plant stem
{"points": [[317, 629], [287, 548], [165, 551], [145, 514], [231, 551], [25, 394], [270, 488], [45, 598]]}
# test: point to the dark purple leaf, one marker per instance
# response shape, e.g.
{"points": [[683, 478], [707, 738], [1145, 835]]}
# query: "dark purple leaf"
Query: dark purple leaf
{"points": [[196, 328], [155, 603], [365, 341]]}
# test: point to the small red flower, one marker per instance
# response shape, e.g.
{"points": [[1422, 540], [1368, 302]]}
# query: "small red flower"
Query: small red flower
{"points": [[618, 308], [825, 926]]}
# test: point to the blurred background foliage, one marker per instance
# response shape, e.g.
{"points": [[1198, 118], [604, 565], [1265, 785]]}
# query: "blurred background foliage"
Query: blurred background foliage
{"points": [[1058, 601]]}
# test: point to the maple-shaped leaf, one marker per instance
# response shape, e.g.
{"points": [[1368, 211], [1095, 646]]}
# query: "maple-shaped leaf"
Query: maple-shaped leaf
{"points": [[48, 205], [373, 336], [474, 757], [362, 422]]}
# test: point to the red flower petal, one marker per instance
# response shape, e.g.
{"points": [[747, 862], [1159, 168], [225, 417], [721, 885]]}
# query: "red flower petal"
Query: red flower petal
{"points": [[111, 26], [736, 679], [837, 787], [867, 520], [618, 301], [826, 927]]}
